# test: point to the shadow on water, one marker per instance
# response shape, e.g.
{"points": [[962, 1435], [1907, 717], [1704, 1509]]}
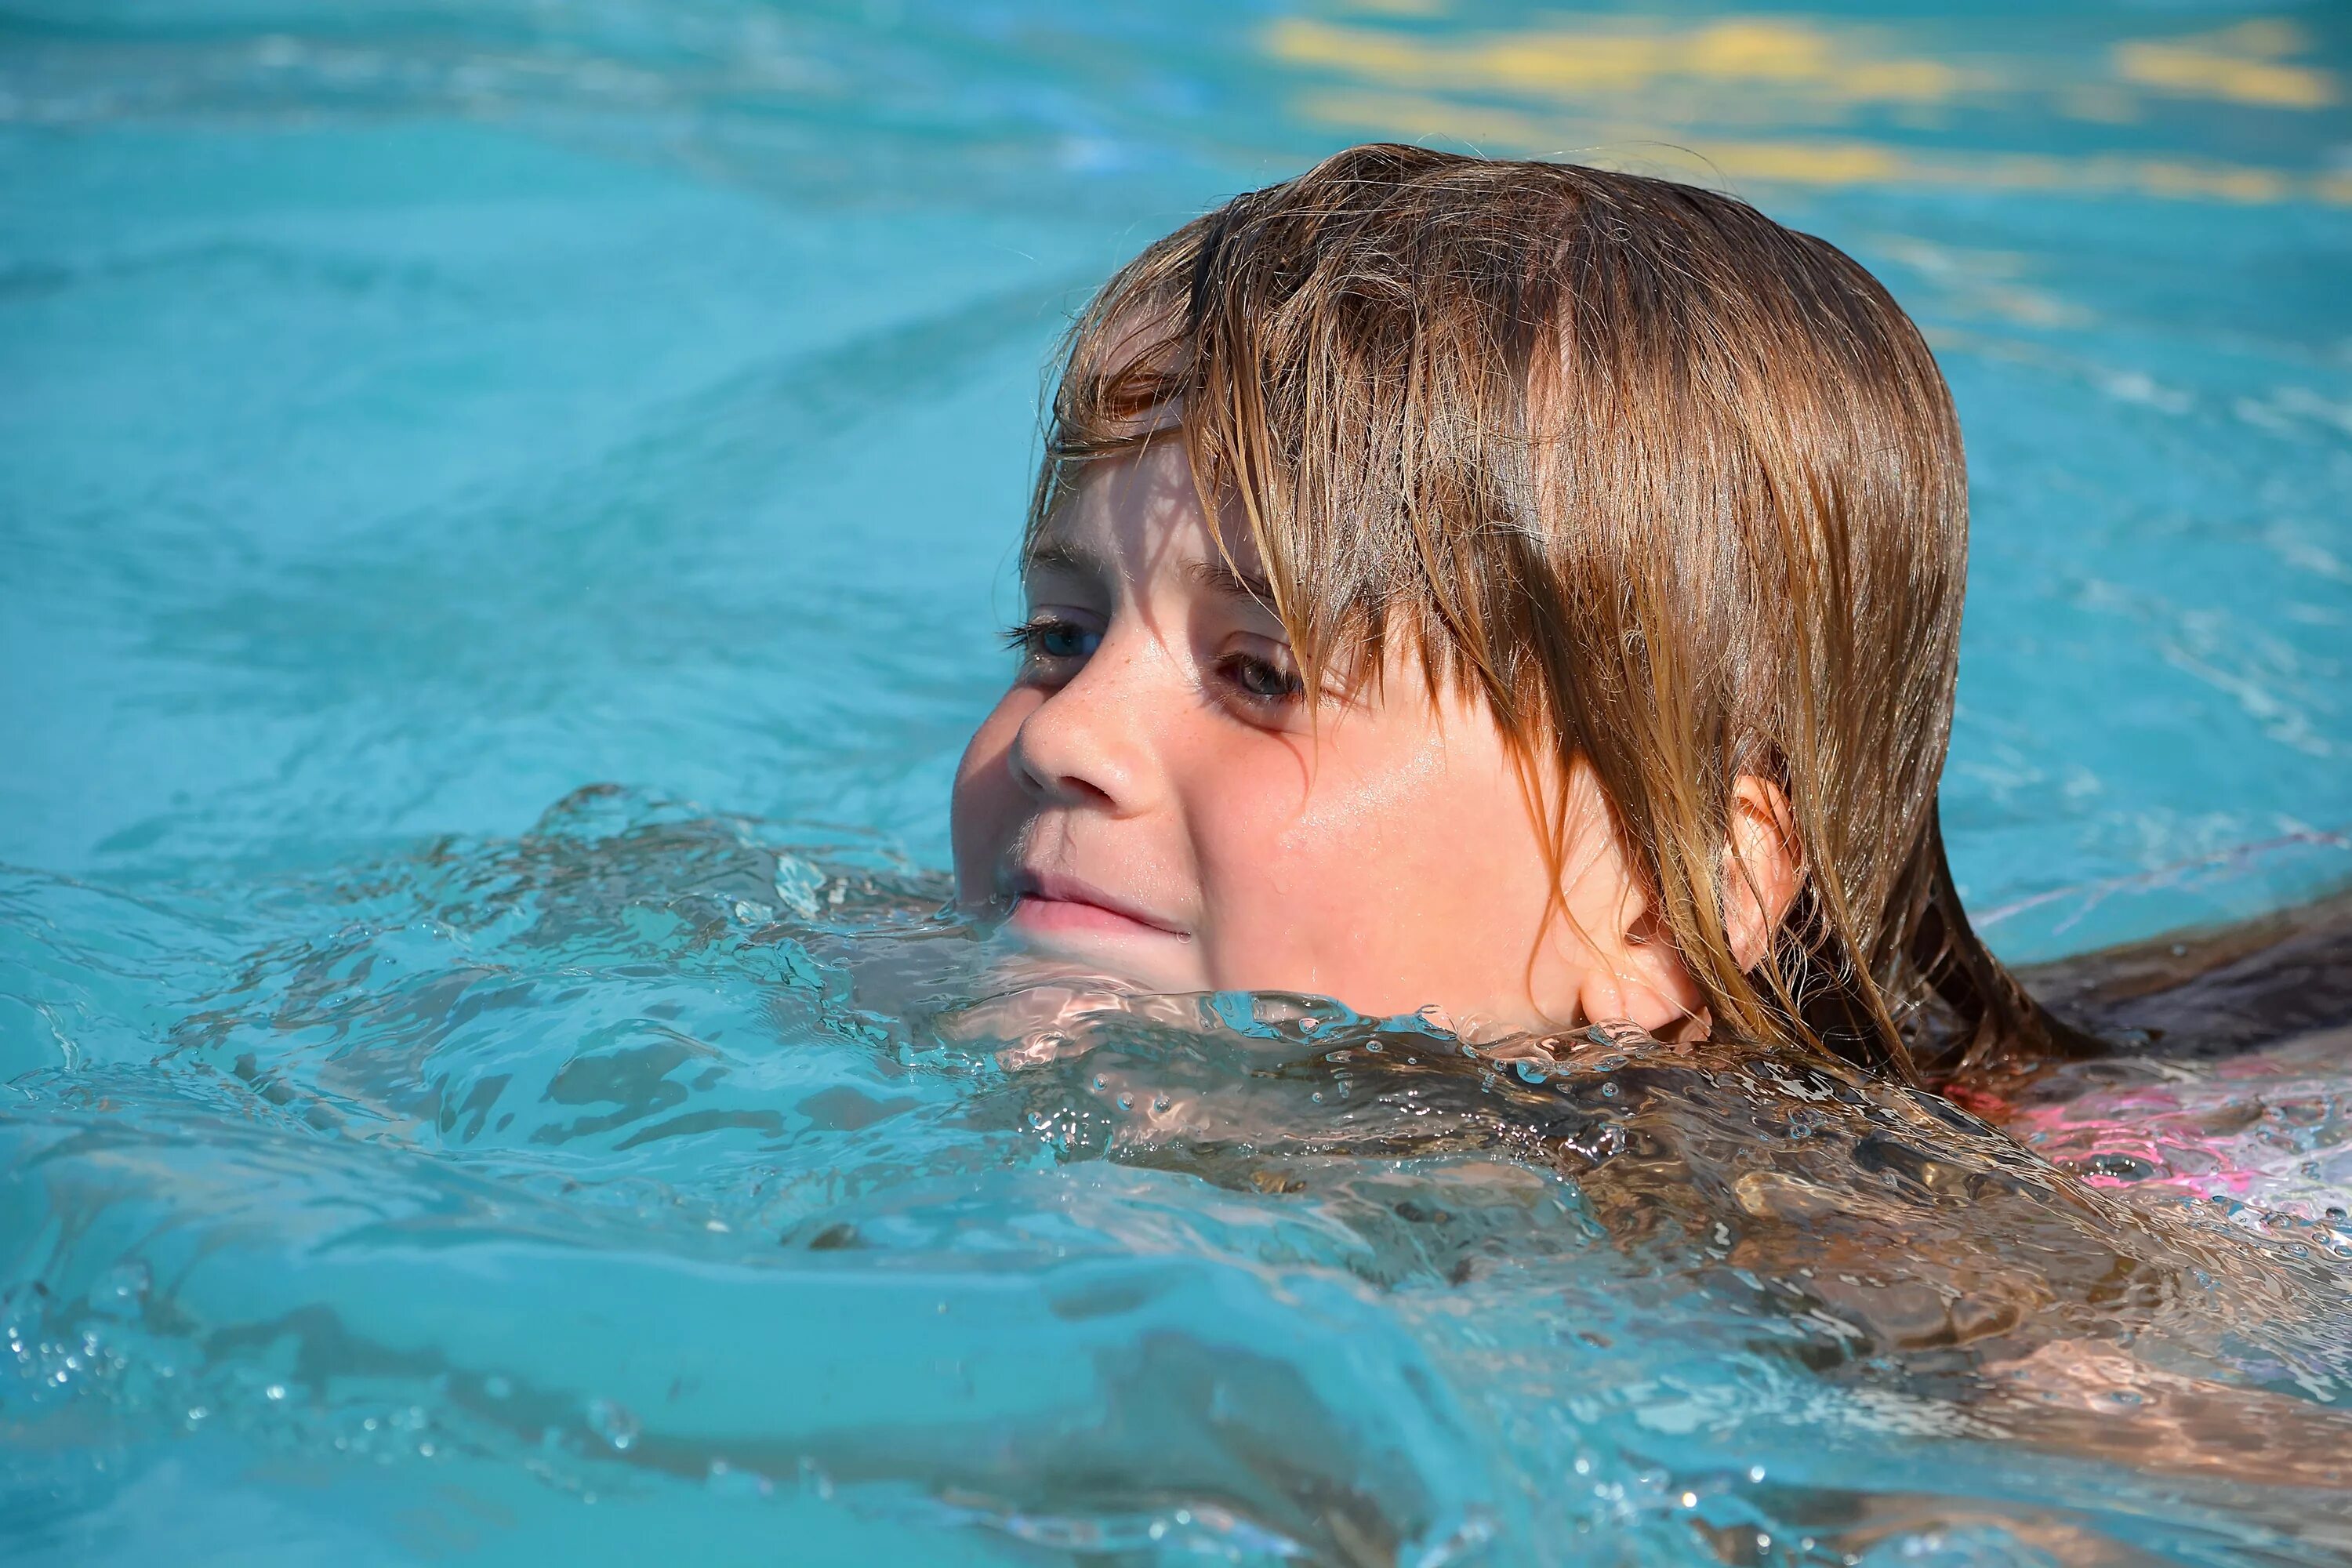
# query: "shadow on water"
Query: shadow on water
{"points": [[652, 1157]]}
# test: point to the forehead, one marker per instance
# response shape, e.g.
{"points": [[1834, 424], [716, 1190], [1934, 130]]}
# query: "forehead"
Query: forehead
{"points": [[1140, 516]]}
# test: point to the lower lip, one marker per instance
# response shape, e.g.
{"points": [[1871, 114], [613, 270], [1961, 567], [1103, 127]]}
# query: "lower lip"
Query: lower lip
{"points": [[1069, 917]]}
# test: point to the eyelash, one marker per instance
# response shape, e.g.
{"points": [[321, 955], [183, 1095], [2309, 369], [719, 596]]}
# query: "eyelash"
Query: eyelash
{"points": [[1029, 637], [1292, 688]]}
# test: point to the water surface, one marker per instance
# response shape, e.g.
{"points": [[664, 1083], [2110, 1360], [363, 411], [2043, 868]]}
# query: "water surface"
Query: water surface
{"points": [[504, 512]]}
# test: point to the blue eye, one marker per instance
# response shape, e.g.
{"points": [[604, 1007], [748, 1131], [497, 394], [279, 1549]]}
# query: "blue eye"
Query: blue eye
{"points": [[1051, 638]]}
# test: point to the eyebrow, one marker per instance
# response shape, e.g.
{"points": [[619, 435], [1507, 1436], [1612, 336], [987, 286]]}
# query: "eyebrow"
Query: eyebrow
{"points": [[1062, 553], [1220, 577], [1059, 552]]}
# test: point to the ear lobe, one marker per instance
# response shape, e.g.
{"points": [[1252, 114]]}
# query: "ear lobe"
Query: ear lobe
{"points": [[1763, 868]]}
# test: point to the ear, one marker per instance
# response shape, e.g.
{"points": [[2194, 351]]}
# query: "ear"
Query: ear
{"points": [[1763, 868], [1624, 968]]}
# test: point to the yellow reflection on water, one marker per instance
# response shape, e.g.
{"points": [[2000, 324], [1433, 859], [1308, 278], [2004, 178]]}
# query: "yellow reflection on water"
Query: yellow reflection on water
{"points": [[1807, 161], [1747, 98], [1623, 58], [2244, 64]]}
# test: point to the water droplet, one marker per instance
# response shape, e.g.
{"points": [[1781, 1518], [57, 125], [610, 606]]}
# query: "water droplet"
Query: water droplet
{"points": [[275, 1393], [1160, 1102], [1371, 1044], [1127, 1102], [613, 1422], [1756, 1472], [1316, 1097], [1690, 1499]]}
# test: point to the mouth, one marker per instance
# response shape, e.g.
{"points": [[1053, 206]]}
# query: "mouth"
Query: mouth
{"points": [[1050, 904]]}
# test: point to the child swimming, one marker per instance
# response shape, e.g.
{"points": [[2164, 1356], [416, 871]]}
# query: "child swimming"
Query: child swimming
{"points": [[1529, 596], [1509, 589]]}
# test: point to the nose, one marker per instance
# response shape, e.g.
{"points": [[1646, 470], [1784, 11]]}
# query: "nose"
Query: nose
{"points": [[1084, 745]]}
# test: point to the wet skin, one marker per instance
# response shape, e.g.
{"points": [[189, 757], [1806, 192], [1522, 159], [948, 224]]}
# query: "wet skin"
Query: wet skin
{"points": [[1155, 797]]}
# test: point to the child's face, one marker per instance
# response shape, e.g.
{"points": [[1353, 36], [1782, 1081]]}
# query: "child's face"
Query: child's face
{"points": [[1155, 797]]}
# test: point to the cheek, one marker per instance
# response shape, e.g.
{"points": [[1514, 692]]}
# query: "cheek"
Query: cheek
{"points": [[1304, 857], [1389, 875], [989, 805]]}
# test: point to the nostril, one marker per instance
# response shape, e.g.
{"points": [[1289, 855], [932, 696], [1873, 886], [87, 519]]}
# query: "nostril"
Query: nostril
{"points": [[1060, 784]]}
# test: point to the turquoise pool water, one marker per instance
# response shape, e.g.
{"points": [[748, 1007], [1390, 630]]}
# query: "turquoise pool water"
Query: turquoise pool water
{"points": [[504, 513]]}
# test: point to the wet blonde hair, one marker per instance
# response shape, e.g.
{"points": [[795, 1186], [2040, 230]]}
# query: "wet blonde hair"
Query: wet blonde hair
{"points": [[1676, 489]]}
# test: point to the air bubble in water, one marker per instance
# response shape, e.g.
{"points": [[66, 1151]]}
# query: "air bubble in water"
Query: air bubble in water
{"points": [[123, 1290], [615, 1423], [725, 1481]]}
